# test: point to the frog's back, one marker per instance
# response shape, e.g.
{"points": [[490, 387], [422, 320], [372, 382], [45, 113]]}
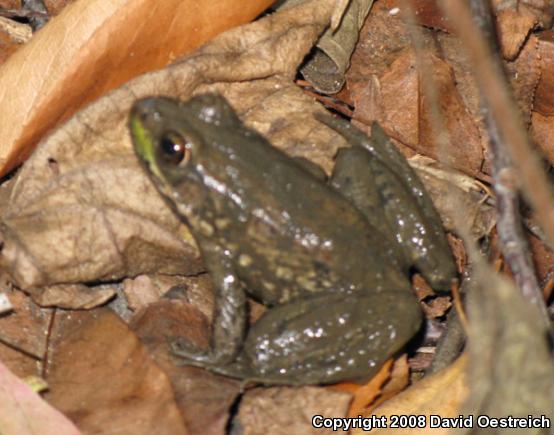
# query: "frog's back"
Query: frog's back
{"points": [[300, 234]]}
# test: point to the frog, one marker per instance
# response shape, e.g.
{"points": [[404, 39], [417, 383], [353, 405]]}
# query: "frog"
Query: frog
{"points": [[329, 258]]}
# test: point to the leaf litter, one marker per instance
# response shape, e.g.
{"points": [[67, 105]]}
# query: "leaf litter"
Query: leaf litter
{"points": [[80, 212]]}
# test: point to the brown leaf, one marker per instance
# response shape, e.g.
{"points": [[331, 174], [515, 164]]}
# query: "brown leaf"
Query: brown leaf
{"points": [[72, 296], [67, 66], [12, 35], [544, 103], [104, 380], [203, 398], [451, 190], [514, 21], [54, 7], [428, 14], [147, 289], [24, 329], [10, 4], [81, 209], [542, 132], [364, 395], [436, 307], [440, 394], [289, 411], [543, 258], [382, 37], [397, 382], [408, 120], [524, 73]]}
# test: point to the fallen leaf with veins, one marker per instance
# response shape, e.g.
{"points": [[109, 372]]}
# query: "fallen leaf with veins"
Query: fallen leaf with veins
{"points": [[409, 120], [98, 365], [82, 210], [203, 398]]}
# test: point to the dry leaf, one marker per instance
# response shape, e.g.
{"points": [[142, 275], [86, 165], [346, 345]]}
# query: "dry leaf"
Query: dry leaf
{"points": [[289, 411], [382, 37], [543, 258], [23, 412], [408, 120], [203, 398], [524, 73], [147, 289], [451, 190], [104, 380], [397, 382], [544, 102], [81, 209], [73, 296], [25, 328], [364, 395], [428, 14], [54, 7], [510, 362], [67, 65], [10, 4], [515, 19], [325, 68], [440, 394]]}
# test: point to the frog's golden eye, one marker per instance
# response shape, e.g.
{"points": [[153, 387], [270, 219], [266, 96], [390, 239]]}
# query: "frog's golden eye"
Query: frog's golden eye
{"points": [[174, 149]]}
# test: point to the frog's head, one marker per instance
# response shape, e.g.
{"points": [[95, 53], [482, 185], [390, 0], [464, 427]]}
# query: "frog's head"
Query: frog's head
{"points": [[175, 140]]}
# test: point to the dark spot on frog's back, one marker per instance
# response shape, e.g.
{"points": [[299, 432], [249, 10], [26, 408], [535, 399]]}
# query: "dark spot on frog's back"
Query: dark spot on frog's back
{"points": [[321, 268]]}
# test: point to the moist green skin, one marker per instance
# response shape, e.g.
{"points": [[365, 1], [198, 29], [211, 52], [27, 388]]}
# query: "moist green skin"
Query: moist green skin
{"points": [[324, 257]]}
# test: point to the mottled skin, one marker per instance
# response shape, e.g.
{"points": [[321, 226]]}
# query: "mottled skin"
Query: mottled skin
{"points": [[268, 226]]}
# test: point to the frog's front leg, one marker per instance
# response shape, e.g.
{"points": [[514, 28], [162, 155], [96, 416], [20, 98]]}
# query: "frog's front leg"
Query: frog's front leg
{"points": [[229, 320], [327, 338]]}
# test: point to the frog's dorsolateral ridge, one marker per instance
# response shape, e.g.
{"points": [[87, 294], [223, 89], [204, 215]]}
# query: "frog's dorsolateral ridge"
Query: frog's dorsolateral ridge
{"points": [[330, 260]]}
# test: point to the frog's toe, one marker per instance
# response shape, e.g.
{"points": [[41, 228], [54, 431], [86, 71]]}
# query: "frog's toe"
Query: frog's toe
{"points": [[183, 348]]}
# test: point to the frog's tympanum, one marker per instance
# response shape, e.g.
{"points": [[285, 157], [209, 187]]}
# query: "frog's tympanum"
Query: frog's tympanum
{"points": [[331, 260]]}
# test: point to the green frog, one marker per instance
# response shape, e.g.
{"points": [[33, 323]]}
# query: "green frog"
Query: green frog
{"points": [[329, 258]]}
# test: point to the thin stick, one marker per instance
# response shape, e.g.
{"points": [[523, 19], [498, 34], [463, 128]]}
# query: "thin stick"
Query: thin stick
{"points": [[496, 93], [513, 244]]}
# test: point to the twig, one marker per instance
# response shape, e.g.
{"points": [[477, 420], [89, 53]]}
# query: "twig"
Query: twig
{"points": [[513, 244], [22, 13], [497, 97]]}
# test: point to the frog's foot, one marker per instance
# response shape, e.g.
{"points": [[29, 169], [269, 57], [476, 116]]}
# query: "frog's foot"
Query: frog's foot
{"points": [[196, 356], [186, 350]]}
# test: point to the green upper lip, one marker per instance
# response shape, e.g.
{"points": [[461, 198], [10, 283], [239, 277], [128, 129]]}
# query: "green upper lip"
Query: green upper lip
{"points": [[144, 146]]}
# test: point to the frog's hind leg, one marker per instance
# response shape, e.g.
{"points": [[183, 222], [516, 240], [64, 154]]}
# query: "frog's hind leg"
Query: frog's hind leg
{"points": [[353, 178], [402, 200], [327, 338]]}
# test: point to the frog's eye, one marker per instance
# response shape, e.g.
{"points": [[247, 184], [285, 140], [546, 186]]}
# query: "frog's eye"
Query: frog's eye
{"points": [[174, 149]]}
